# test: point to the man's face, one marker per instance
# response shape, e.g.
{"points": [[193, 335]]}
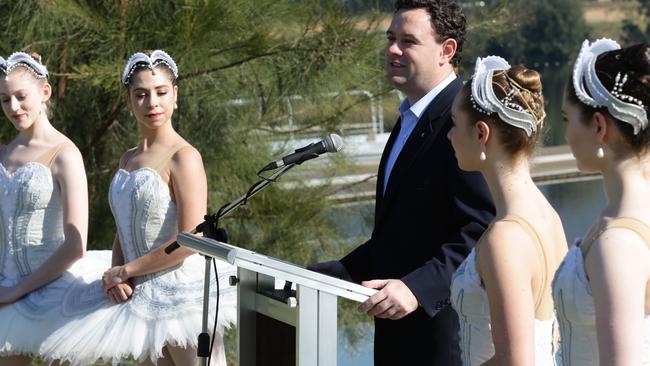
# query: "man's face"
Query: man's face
{"points": [[413, 57]]}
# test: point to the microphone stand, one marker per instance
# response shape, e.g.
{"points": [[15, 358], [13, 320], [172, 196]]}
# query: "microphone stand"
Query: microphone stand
{"points": [[210, 228]]}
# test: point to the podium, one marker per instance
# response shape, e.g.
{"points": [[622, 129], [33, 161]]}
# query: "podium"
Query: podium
{"points": [[280, 326]]}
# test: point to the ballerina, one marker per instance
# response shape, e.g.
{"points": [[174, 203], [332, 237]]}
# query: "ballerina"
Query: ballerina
{"points": [[159, 190], [44, 213], [602, 289], [502, 291]]}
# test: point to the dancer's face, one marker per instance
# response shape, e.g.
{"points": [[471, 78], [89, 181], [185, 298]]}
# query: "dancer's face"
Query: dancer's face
{"points": [[23, 97], [414, 59], [580, 135], [152, 97], [464, 136]]}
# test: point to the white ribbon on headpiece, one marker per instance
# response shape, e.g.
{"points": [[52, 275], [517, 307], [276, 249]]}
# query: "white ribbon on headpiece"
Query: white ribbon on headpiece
{"points": [[140, 59], [591, 91], [22, 59], [483, 95]]}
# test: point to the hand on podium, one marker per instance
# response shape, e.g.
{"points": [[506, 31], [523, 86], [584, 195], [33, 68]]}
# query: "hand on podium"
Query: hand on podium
{"points": [[331, 268], [393, 300]]}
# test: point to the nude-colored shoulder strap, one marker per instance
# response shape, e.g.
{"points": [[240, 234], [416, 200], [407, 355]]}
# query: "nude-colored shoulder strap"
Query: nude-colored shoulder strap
{"points": [[539, 298], [162, 162], [126, 157], [48, 157], [629, 223], [525, 225]]}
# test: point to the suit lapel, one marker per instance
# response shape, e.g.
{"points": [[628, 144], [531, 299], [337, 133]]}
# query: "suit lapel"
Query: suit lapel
{"points": [[420, 140], [382, 164]]}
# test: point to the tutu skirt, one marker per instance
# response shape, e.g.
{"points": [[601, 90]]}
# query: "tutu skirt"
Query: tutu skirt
{"points": [[78, 324]]}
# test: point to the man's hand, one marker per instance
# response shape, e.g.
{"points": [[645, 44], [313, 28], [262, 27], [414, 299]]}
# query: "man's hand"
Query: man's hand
{"points": [[394, 300], [331, 268]]}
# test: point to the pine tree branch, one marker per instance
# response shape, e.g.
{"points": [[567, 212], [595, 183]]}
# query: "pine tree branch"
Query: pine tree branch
{"points": [[101, 130]]}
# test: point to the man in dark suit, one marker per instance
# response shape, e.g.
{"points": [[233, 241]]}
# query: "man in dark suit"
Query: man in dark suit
{"points": [[428, 213]]}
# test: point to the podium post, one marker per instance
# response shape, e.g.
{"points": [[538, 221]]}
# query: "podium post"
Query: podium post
{"points": [[281, 326]]}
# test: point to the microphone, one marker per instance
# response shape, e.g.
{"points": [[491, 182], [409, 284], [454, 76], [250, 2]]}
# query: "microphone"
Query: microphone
{"points": [[331, 143]]}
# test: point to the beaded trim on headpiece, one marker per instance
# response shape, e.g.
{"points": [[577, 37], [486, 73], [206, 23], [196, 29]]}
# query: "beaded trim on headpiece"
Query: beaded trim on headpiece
{"points": [[485, 100], [591, 91], [139, 59], [21, 59]]}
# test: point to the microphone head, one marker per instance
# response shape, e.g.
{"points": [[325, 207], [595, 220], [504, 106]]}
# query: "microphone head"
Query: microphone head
{"points": [[333, 143]]}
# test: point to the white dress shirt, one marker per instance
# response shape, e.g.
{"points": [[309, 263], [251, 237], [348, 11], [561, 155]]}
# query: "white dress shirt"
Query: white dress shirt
{"points": [[409, 116]]}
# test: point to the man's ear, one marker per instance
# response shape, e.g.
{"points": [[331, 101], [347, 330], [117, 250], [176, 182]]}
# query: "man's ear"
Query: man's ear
{"points": [[449, 47]]}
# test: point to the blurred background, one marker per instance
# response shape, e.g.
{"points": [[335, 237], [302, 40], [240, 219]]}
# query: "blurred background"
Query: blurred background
{"points": [[260, 78]]}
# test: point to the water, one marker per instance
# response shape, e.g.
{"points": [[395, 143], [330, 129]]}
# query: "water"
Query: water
{"points": [[577, 203]]}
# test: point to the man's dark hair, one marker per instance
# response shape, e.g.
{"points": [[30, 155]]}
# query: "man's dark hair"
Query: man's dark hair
{"points": [[447, 20]]}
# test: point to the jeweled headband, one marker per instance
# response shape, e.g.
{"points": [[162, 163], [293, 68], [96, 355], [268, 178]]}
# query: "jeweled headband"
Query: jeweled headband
{"points": [[139, 59], [21, 59], [591, 91], [485, 100]]}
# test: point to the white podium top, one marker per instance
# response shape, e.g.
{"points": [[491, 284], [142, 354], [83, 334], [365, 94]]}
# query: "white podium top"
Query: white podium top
{"points": [[274, 267]]}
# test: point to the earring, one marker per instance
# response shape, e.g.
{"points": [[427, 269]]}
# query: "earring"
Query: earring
{"points": [[175, 106], [600, 153], [483, 157]]}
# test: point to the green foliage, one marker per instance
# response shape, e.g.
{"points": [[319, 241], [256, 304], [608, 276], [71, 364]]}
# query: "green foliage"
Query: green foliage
{"points": [[539, 33], [633, 33], [238, 62]]}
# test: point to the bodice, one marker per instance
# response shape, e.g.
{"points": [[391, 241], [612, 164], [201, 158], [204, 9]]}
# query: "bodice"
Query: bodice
{"points": [[31, 228]]}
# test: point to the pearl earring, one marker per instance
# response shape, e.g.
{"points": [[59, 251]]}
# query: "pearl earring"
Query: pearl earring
{"points": [[175, 106], [483, 157], [600, 153]]}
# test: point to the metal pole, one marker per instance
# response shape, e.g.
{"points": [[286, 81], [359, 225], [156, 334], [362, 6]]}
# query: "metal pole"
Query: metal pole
{"points": [[203, 349]]}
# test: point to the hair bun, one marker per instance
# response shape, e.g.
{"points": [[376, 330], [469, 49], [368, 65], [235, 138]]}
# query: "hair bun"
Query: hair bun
{"points": [[526, 78], [35, 56], [637, 60]]}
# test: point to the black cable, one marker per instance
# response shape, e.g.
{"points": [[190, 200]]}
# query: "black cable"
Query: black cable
{"points": [[216, 313], [270, 179]]}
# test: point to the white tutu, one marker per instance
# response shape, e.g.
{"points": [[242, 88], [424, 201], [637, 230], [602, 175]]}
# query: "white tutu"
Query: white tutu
{"points": [[166, 309], [166, 306], [27, 323]]}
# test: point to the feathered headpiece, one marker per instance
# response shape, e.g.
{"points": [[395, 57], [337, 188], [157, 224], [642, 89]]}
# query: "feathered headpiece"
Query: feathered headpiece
{"points": [[591, 91], [139, 59], [485, 100], [21, 59]]}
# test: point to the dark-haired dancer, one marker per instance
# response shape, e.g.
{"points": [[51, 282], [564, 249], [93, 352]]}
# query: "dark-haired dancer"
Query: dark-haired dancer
{"points": [[43, 213], [159, 189], [428, 213], [602, 290], [502, 292]]}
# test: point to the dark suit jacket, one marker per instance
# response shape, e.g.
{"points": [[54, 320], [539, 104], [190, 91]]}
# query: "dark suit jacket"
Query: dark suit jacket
{"points": [[426, 223]]}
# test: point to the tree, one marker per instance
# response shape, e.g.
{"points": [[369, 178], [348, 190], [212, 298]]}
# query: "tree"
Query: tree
{"points": [[633, 33], [238, 63], [544, 33]]}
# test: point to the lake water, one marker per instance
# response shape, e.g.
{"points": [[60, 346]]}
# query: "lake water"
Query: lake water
{"points": [[577, 203]]}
